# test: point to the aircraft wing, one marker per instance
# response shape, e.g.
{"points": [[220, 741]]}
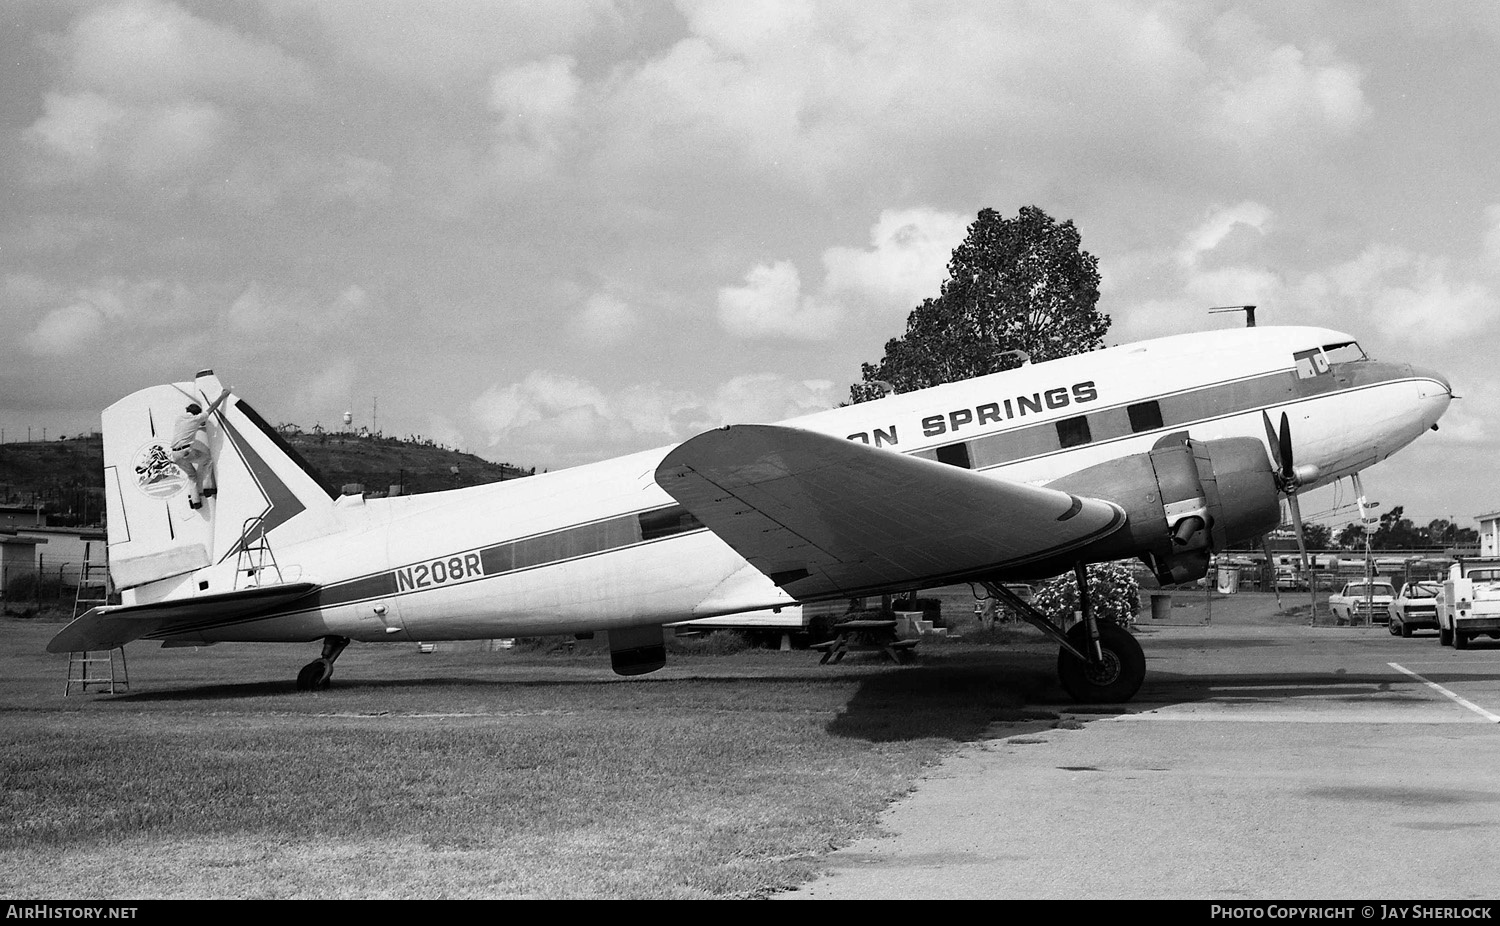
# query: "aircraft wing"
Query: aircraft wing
{"points": [[825, 517], [111, 626]]}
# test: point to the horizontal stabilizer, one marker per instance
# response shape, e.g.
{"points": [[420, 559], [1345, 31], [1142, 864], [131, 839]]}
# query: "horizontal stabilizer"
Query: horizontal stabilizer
{"points": [[826, 517], [111, 626]]}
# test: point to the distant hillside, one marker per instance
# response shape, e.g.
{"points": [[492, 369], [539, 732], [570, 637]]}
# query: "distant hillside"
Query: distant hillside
{"points": [[67, 476]]}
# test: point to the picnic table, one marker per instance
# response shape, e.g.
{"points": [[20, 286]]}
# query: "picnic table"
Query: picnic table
{"points": [[866, 636]]}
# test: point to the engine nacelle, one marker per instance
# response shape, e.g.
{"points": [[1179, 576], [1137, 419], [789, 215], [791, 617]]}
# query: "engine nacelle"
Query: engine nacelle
{"points": [[1185, 500]]}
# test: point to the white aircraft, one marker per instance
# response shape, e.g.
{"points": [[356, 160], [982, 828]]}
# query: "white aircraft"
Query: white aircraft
{"points": [[1162, 450]]}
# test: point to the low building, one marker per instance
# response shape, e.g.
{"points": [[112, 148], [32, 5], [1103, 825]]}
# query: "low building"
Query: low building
{"points": [[14, 516], [67, 550], [17, 558], [1489, 534]]}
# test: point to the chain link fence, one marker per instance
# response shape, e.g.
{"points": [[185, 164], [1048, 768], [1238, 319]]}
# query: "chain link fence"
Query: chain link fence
{"points": [[49, 583]]}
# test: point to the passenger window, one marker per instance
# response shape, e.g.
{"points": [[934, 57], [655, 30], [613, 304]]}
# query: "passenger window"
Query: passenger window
{"points": [[955, 455], [1071, 432], [1145, 416], [665, 522]]}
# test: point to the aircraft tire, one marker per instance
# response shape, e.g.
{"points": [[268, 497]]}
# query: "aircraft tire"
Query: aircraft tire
{"points": [[1114, 682], [314, 675]]}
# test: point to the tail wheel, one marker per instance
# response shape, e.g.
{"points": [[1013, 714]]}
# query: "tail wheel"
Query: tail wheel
{"points": [[1116, 678], [314, 675]]}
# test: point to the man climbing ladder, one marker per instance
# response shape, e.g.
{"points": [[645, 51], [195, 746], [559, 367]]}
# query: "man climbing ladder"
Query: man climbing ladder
{"points": [[190, 454]]}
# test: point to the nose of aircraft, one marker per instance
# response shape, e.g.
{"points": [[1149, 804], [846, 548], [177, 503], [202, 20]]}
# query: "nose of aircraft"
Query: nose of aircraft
{"points": [[1435, 392]]}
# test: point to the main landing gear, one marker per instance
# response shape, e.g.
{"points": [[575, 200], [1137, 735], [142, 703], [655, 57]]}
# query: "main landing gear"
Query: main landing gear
{"points": [[1099, 661], [316, 674]]}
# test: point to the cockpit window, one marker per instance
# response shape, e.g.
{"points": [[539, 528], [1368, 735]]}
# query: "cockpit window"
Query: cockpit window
{"points": [[1346, 352], [1319, 361]]}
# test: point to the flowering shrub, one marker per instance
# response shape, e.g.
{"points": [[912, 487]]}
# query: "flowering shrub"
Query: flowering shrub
{"points": [[1113, 591]]}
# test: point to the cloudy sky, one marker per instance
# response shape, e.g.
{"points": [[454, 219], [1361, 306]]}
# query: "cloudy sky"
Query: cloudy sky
{"points": [[551, 232]]}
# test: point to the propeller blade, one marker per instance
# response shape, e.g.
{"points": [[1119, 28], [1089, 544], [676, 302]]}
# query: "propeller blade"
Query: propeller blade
{"points": [[1288, 466], [1281, 452], [1272, 441]]}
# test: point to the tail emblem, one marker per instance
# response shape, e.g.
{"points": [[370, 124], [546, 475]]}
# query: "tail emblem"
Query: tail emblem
{"points": [[155, 473]]}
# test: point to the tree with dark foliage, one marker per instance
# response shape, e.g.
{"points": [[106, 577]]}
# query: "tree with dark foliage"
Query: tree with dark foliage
{"points": [[1020, 284]]}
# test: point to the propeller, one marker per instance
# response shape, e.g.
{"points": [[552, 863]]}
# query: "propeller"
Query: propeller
{"points": [[1289, 478]]}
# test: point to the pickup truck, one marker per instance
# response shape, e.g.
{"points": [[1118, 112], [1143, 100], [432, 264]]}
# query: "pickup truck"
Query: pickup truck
{"points": [[1363, 601], [1469, 605]]}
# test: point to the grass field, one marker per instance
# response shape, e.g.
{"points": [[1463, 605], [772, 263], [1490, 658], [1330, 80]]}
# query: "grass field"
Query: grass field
{"points": [[471, 772]]}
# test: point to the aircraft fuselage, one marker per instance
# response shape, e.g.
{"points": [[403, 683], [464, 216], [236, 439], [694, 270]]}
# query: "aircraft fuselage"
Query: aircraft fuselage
{"points": [[603, 546]]}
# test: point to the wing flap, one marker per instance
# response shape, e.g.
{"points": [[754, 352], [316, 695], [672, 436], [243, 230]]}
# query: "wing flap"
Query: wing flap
{"points": [[111, 626], [825, 517]]}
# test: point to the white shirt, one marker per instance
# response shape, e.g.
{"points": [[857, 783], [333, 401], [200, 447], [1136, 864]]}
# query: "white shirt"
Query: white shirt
{"points": [[187, 429]]}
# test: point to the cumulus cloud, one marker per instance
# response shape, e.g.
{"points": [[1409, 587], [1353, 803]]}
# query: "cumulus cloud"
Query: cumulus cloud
{"points": [[271, 314], [1220, 223], [77, 126], [444, 46], [766, 398], [1403, 294], [151, 90], [1289, 89], [604, 320], [536, 103], [564, 417], [1490, 242], [148, 52], [905, 263], [552, 416], [788, 93], [771, 304], [92, 132], [330, 387], [69, 328], [1399, 293], [65, 330], [536, 100]]}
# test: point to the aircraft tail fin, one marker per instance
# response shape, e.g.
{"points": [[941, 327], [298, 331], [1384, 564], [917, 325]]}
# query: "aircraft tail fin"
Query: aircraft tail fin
{"points": [[169, 516]]}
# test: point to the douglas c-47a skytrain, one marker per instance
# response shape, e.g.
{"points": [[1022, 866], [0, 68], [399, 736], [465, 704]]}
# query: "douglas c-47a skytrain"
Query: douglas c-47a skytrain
{"points": [[1166, 450]]}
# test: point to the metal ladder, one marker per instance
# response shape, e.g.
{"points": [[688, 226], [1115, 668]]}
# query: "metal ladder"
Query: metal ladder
{"points": [[86, 669], [255, 556]]}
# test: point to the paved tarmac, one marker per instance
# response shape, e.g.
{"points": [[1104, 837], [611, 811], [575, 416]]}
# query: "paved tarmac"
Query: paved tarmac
{"points": [[1264, 759]]}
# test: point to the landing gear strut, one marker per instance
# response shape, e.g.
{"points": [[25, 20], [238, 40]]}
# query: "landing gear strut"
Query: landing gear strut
{"points": [[316, 674], [1099, 661]]}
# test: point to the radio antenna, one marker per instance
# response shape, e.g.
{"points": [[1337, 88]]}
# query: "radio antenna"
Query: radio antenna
{"points": [[1249, 311]]}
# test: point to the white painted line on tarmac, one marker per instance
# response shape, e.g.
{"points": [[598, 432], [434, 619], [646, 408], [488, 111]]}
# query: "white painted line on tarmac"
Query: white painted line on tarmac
{"points": [[1362, 718], [1493, 718]]}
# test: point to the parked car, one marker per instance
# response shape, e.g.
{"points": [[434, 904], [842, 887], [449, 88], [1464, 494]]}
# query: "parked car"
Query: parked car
{"points": [[1363, 602], [1415, 608]]}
